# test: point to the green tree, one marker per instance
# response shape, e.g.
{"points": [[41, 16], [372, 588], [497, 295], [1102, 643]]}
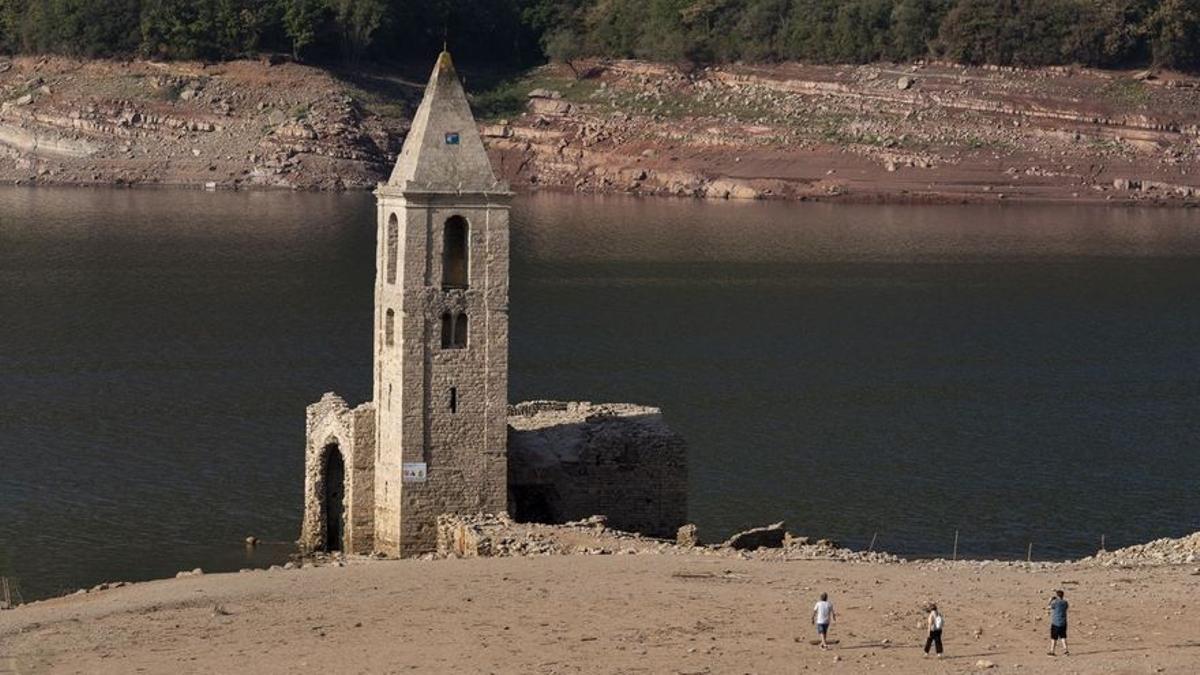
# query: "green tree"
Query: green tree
{"points": [[1175, 34], [664, 37], [302, 21], [808, 35], [759, 29], [860, 30], [563, 46], [980, 31], [357, 21], [914, 27]]}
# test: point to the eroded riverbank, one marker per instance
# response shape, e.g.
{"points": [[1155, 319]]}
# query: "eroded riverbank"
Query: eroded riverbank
{"points": [[876, 133]]}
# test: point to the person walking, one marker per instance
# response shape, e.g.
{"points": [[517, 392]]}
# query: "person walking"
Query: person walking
{"points": [[934, 622], [822, 616], [1058, 622]]}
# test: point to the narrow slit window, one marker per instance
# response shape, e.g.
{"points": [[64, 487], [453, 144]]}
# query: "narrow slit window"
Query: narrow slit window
{"points": [[393, 238], [389, 328], [453, 399], [455, 260]]}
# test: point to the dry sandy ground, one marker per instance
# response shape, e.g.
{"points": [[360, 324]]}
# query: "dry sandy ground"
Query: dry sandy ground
{"points": [[646, 613]]}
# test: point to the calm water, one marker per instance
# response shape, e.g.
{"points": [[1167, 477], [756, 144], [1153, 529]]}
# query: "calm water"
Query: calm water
{"points": [[1019, 373]]}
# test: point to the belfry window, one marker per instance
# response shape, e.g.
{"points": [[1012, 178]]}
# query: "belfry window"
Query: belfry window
{"points": [[454, 330], [389, 328], [393, 238], [455, 262]]}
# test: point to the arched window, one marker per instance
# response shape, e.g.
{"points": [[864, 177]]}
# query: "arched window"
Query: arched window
{"points": [[447, 330], [454, 331], [389, 328], [460, 331], [393, 238], [455, 262]]}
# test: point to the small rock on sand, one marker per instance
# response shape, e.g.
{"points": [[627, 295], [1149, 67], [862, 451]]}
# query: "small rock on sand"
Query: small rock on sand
{"points": [[770, 536]]}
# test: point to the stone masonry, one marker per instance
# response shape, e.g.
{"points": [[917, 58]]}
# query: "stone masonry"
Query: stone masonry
{"points": [[442, 274], [568, 461], [434, 440], [333, 427]]}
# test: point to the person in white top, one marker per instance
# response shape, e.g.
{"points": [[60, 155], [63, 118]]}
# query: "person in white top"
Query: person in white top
{"points": [[934, 621], [822, 616]]}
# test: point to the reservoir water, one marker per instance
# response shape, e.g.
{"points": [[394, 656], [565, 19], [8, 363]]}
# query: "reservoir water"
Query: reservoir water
{"points": [[1021, 374]]}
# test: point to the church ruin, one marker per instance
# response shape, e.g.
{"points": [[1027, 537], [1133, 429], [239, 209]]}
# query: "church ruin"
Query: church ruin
{"points": [[435, 439]]}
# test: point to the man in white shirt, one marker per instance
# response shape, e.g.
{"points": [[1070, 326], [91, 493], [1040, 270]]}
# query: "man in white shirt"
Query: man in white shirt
{"points": [[822, 616]]}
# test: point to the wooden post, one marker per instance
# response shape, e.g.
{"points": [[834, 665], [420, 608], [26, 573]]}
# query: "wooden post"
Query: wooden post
{"points": [[1029, 553], [1102, 543], [872, 546], [956, 544], [5, 594]]}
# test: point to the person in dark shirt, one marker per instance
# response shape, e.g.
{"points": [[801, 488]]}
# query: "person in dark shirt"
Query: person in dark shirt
{"points": [[1058, 622]]}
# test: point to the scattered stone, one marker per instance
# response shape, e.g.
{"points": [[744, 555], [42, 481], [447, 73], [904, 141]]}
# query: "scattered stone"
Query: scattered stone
{"points": [[770, 536], [905, 82], [687, 536], [984, 664]]}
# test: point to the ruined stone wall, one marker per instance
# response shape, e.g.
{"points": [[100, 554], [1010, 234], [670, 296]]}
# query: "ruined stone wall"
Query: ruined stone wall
{"points": [[567, 461], [332, 426]]}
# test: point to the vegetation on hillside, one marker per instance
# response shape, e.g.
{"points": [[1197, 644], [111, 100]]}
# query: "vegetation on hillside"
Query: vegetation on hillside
{"points": [[1105, 33]]}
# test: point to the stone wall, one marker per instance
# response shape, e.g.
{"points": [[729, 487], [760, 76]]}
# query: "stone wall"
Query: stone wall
{"points": [[332, 426], [567, 461]]}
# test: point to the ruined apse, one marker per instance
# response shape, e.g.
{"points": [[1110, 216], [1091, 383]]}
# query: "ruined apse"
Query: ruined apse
{"points": [[435, 438]]}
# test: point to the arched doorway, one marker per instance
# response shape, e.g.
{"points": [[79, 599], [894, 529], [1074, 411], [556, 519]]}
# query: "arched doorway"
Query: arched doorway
{"points": [[334, 502]]}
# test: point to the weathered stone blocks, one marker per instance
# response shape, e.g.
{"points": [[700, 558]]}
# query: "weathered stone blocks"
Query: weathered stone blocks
{"points": [[571, 460]]}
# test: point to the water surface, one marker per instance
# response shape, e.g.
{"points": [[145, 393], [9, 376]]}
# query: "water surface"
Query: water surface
{"points": [[1019, 373]]}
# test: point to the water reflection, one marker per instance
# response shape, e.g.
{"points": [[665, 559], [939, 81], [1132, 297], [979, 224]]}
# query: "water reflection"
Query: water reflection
{"points": [[1019, 373]]}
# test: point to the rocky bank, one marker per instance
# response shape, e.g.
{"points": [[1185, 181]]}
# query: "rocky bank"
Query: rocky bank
{"points": [[242, 124], [921, 133], [925, 133]]}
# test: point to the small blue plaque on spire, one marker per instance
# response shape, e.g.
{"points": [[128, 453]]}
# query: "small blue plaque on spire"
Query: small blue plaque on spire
{"points": [[451, 138]]}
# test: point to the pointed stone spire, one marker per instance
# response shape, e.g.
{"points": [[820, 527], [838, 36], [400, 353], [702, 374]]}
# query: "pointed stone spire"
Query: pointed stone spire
{"points": [[443, 151]]}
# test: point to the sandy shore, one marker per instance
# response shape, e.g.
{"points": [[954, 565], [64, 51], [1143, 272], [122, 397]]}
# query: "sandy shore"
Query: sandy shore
{"points": [[645, 613]]}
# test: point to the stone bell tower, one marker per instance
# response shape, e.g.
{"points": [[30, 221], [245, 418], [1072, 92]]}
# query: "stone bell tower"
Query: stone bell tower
{"points": [[441, 326]]}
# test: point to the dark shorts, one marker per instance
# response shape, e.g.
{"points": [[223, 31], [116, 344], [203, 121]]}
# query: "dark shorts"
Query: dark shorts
{"points": [[822, 628], [1058, 632]]}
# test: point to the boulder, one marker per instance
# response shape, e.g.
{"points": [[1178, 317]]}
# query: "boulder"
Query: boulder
{"points": [[687, 536], [549, 106], [905, 82], [770, 536]]}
